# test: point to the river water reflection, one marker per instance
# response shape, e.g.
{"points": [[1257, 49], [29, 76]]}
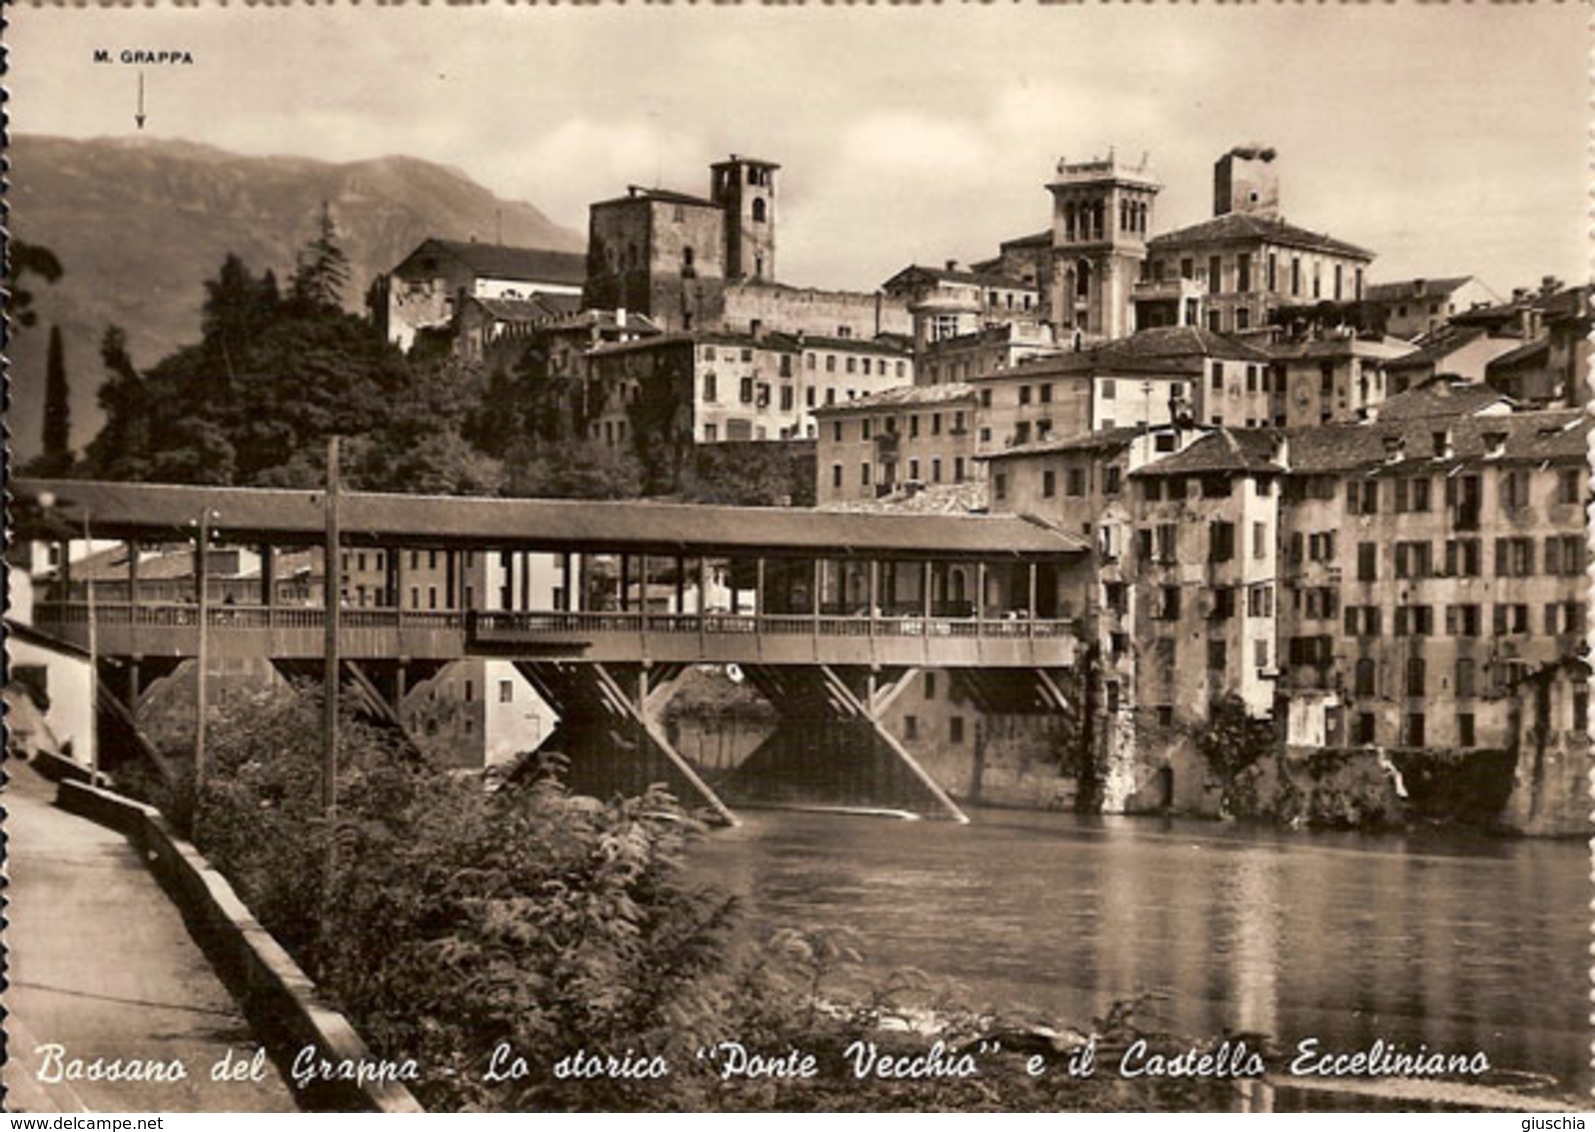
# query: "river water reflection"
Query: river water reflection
{"points": [[1463, 943]]}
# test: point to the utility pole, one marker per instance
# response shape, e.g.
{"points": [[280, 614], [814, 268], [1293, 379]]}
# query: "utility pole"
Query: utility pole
{"points": [[333, 573]]}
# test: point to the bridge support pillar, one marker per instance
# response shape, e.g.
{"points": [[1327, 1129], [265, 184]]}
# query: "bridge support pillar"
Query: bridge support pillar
{"points": [[605, 734], [830, 748]]}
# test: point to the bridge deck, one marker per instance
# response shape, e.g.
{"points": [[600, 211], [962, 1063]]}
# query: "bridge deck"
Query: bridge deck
{"points": [[289, 632]]}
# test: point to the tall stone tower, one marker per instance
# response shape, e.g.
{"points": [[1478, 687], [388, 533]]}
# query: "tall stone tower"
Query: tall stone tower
{"points": [[1101, 214], [745, 188], [1245, 180]]}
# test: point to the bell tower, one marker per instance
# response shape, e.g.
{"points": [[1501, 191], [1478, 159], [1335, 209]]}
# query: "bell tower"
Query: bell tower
{"points": [[745, 188], [1101, 215]]}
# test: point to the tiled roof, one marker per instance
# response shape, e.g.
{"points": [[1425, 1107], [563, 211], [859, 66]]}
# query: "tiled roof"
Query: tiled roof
{"points": [[1237, 227], [537, 308], [969, 497], [1438, 345], [1558, 434], [1103, 440], [1342, 347], [944, 275], [499, 261], [1530, 353], [1034, 239], [296, 517], [1223, 450], [904, 397], [1407, 290], [662, 196], [894, 345], [1440, 398], [1175, 350]]}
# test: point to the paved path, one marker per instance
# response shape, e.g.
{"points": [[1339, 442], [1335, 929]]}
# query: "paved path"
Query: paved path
{"points": [[102, 964]]}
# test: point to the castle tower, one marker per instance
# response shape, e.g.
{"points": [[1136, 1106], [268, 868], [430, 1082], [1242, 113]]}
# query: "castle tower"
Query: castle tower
{"points": [[1245, 180], [745, 188], [1101, 214]]}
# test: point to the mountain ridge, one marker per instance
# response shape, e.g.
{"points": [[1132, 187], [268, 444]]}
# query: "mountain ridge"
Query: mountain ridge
{"points": [[140, 223]]}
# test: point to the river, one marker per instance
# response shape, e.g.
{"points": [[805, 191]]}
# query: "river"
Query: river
{"points": [[1464, 943]]}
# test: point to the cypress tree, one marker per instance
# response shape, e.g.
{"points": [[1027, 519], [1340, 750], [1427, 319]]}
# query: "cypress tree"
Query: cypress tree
{"points": [[57, 407]]}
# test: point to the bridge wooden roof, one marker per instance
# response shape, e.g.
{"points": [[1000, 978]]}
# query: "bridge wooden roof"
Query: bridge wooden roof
{"points": [[285, 517]]}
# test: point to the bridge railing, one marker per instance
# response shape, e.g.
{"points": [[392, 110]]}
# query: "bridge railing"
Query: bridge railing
{"points": [[513, 626]]}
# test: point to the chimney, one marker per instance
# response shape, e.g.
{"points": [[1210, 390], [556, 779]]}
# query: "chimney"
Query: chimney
{"points": [[952, 265], [620, 317], [1494, 444], [1395, 448]]}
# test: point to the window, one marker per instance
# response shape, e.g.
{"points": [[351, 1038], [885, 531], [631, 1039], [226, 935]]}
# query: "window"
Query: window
{"points": [[1260, 652], [745, 390], [1414, 736], [1569, 486], [1363, 620], [1167, 540], [1365, 677], [1169, 603], [1223, 603], [1259, 540], [1414, 620], [1363, 730], [958, 469], [999, 485], [830, 363], [863, 474], [1565, 554], [1110, 480], [1044, 392], [1260, 601], [1217, 656], [1220, 541], [836, 475], [1367, 561], [1076, 481], [1362, 498], [506, 691], [1462, 620], [1049, 484], [1243, 273], [1417, 676], [913, 469], [955, 729], [910, 727], [1110, 390], [1511, 618], [935, 470], [1414, 559], [1514, 485], [1514, 557], [985, 398], [1463, 558], [1581, 708]]}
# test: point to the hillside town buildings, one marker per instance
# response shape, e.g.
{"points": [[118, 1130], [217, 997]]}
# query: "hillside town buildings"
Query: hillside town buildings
{"points": [[1353, 507]]}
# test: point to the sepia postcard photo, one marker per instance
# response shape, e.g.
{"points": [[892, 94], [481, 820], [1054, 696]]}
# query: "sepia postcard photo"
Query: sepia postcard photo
{"points": [[767, 558]]}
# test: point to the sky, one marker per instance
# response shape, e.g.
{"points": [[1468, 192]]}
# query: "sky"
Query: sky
{"points": [[1450, 140]]}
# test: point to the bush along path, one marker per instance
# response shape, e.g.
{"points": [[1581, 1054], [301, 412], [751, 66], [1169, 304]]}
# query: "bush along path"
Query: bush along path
{"points": [[530, 950]]}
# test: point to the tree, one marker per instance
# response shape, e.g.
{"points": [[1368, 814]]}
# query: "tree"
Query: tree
{"points": [[57, 457], [28, 259], [121, 450], [1232, 743], [322, 270]]}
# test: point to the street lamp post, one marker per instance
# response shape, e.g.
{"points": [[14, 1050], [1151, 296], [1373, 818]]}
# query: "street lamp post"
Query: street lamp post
{"points": [[47, 502], [202, 651]]}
